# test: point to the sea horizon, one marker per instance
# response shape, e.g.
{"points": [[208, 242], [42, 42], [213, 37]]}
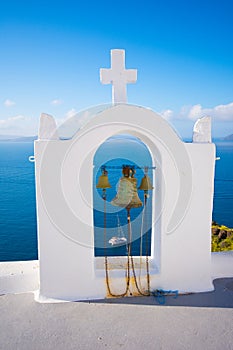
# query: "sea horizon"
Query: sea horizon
{"points": [[18, 228]]}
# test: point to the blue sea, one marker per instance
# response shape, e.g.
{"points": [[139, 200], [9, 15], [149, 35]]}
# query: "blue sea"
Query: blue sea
{"points": [[18, 235]]}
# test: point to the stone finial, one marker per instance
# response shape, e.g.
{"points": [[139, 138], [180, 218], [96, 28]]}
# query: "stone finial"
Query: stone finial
{"points": [[118, 76], [202, 130], [47, 128]]}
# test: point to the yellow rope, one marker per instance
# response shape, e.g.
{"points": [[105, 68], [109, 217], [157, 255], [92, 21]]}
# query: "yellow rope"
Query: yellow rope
{"points": [[129, 257]]}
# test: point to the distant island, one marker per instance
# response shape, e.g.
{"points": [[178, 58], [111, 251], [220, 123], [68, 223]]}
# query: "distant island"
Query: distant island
{"points": [[18, 138], [15, 138], [228, 138]]}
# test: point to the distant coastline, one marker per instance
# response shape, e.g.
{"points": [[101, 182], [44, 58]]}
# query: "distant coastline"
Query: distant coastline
{"points": [[18, 138], [228, 138], [18, 240], [14, 138]]}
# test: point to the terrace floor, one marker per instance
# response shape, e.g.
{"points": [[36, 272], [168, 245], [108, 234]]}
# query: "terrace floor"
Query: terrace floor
{"points": [[194, 321]]}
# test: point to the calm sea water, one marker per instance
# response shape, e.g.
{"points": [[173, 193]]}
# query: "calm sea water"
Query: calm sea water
{"points": [[18, 240], [113, 153], [223, 196], [18, 236]]}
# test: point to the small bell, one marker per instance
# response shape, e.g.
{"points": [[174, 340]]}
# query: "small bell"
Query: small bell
{"points": [[145, 184], [103, 181]]}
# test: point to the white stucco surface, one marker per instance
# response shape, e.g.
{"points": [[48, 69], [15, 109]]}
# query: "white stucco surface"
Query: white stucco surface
{"points": [[48, 128], [23, 276], [19, 276], [118, 76], [222, 264], [202, 130], [182, 207]]}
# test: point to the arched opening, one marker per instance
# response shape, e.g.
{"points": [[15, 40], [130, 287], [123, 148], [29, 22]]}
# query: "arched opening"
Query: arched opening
{"points": [[111, 221]]}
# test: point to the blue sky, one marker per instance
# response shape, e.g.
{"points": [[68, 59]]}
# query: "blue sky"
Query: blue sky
{"points": [[51, 52]]}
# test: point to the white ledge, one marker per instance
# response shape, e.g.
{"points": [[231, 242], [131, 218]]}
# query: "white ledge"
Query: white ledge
{"points": [[19, 276], [23, 276], [222, 264]]}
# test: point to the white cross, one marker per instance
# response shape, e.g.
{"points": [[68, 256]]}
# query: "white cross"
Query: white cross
{"points": [[118, 76]]}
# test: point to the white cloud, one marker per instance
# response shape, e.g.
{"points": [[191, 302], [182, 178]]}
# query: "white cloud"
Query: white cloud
{"points": [[223, 112], [218, 113], [56, 102], [9, 103], [19, 125], [195, 112], [167, 114], [11, 122]]}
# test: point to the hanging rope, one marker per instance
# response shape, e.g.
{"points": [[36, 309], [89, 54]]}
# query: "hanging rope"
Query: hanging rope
{"points": [[106, 260], [147, 248], [129, 257], [133, 267]]}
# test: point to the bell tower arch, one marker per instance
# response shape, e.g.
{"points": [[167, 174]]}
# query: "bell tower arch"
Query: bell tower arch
{"points": [[69, 269]]}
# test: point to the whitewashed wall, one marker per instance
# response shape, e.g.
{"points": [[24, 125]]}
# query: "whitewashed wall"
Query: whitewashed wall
{"points": [[181, 249]]}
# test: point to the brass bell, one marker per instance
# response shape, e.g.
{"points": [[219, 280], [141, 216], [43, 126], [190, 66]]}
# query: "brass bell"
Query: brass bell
{"points": [[124, 193], [145, 184], [135, 201], [103, 181], [127, 195]]}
